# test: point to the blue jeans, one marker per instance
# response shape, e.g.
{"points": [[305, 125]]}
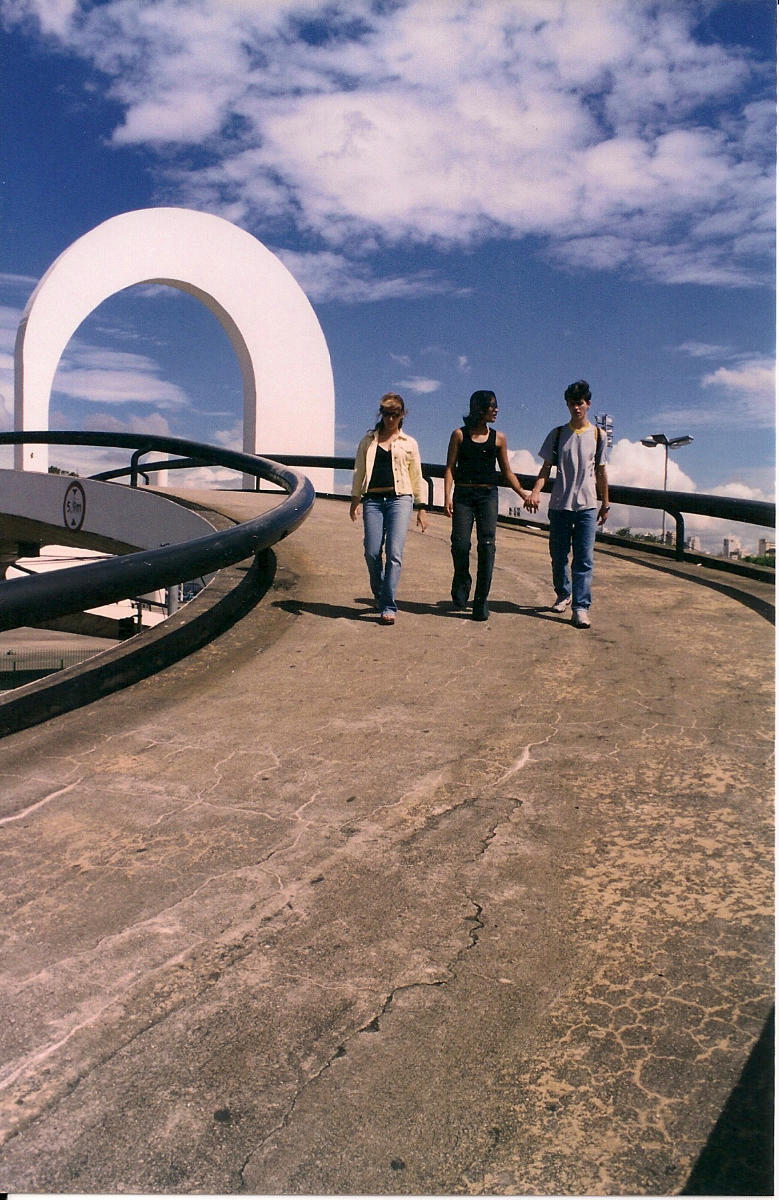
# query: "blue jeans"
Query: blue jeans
{"points": [[479, 504], [385, 524], [577, 529]]}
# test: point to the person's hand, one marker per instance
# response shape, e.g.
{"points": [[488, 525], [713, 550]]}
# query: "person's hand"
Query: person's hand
{"points": [[422, 519], [448, 507], [531, 502], [354, 509], [603, 513]]}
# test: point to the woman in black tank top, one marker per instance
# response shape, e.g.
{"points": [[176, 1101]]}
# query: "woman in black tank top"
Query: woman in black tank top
{"points": [[471, 494]]}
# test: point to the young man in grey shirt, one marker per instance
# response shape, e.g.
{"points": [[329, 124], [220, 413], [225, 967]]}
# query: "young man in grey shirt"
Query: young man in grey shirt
{"points": [[578, 504]]}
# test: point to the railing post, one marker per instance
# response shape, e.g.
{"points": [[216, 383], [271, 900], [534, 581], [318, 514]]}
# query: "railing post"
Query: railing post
{"points": [[679, 518], [134, 467]]}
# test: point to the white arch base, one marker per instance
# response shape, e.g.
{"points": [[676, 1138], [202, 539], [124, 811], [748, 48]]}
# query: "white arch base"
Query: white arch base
{"points": [[289, 400]]}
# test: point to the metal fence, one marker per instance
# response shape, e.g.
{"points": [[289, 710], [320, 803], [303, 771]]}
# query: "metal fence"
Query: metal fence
{"points": [[22, 666], [676, 504], [77, 588]]}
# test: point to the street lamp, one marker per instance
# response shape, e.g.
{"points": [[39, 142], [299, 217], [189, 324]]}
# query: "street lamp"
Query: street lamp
{"points": [[659, 439]]}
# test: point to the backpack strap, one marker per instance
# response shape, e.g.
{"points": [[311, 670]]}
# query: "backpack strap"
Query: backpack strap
{"points": [[599, 446], [556, 447]]}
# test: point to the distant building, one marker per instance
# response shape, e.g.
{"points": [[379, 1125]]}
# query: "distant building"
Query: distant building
{"points": [[731, 547], [693, 542], [765, 547]]}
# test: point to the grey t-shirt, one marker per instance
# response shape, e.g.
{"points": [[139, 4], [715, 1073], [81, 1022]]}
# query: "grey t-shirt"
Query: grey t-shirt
{"points": [[574, 486]]}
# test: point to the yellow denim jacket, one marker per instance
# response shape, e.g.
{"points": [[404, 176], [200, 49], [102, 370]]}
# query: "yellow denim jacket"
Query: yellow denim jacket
{"points": [[406, 466]]}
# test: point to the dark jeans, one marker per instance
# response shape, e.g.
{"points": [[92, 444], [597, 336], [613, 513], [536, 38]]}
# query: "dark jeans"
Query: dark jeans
{"points": [[479, 504]]}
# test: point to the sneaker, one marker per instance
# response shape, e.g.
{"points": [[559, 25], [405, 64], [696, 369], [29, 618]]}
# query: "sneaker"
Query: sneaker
{"points": [[581, 618], [387, 618], [560, 605], [480, 611]]}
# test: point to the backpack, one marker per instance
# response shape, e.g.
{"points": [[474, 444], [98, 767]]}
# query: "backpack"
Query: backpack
{"points": [[598, 445]]}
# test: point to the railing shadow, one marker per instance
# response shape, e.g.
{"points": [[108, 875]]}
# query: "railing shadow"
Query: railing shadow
{"points": [[762, 607], [199, 623], [738, 1157]]}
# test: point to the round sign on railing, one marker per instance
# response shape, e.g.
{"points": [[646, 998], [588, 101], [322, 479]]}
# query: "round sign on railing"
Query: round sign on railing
{"points": [[74, 506]]}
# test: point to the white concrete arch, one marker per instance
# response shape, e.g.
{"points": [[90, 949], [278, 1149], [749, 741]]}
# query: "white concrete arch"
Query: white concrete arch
{"points": [[289, 402]]}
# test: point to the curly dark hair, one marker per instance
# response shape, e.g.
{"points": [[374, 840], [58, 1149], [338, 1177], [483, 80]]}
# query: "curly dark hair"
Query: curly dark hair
{"points": [[478, 405], [578, 391]]}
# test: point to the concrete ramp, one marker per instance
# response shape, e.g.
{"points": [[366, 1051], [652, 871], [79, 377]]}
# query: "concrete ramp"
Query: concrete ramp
{"points": [[441, 908]]}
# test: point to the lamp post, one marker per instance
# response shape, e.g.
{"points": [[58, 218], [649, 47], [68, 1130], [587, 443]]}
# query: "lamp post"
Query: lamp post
{"points": [[659, 439]]}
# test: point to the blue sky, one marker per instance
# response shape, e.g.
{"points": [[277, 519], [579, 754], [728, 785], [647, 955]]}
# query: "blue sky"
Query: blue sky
{"points": [[508, 194]]}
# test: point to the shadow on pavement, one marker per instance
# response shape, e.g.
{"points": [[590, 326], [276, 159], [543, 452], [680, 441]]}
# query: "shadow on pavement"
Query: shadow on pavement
{"points": [[442, 608], [757, 603], [738, 1157], [367, 612], [234, 592]]}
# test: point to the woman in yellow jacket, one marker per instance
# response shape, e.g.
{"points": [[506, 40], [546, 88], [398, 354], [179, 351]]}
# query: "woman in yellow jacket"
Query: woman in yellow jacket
{"points": [[387, 480]]}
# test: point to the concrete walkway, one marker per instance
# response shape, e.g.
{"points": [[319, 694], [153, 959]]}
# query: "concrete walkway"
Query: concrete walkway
{"points": [[442, 908]]}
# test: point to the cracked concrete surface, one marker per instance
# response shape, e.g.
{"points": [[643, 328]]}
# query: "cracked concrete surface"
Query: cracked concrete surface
{"points": [[442, 908]]}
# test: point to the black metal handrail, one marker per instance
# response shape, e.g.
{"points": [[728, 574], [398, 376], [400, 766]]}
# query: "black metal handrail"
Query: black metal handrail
{"points": [[72, 589], [676, 504]]}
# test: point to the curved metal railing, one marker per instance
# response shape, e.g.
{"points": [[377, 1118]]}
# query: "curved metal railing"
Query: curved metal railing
{"points": [[676, 504], [72, 589], [75, 588]]}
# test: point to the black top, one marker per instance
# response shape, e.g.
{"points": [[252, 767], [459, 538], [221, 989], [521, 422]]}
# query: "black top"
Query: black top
{"points": [[381, 475], [476, 461]]}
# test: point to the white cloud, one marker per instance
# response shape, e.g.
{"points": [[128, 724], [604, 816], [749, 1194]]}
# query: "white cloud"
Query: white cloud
{"points": [[327, 276], [524, 463], [634, 465], [606, 128], [420, 385], [95, 375], [743, 394], [55, 16], [703, 350], [741, 491], [108, 422], [6, 402], [9, 280], [753, 382], [112, 377], [118, 387], [9, 320], [230, 439]]}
